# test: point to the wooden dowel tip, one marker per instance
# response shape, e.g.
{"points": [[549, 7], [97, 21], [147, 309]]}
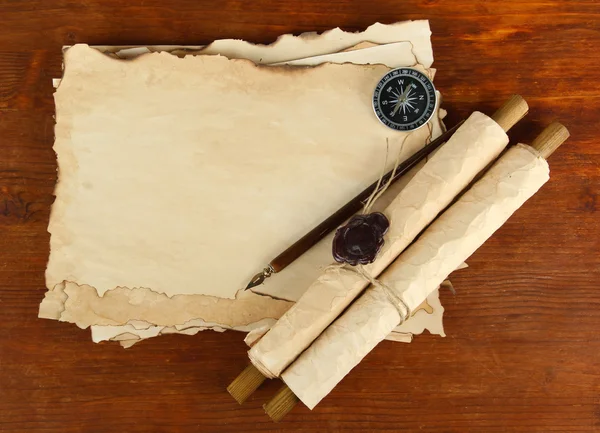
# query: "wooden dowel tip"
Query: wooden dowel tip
{"points": [[513, 110], [246, 383], [280, 405], [550, 139]]}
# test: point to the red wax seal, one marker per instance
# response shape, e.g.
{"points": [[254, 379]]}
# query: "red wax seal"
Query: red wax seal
{"points": [[359, 241]]}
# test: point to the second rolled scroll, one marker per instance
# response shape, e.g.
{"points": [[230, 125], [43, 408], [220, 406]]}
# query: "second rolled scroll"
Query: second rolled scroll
{"points": [[451, 239]]}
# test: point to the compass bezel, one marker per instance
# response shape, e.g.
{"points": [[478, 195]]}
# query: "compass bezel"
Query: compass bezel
{"points": [[430, 94]]}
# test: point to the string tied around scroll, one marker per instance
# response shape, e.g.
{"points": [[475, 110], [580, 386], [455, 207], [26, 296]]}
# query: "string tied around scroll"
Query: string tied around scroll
{"points": [[402, 308], [399, 304]]}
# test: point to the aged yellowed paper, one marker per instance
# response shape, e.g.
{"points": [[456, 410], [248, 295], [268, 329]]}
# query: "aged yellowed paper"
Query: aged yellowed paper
{"points": [[194, 209], [289, 47], [394, 54]]}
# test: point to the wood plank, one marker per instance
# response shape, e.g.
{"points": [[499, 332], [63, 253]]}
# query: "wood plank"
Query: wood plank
{"points": [[522, 348]]}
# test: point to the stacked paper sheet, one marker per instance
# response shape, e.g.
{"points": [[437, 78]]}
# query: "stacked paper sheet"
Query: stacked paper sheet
{"points": [[184, 170]]}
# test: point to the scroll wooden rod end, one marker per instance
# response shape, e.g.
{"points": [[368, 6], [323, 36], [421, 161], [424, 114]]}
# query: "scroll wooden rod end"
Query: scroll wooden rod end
{"points": [[513, 110], [246, 383], [550, 139], [280, 405]]}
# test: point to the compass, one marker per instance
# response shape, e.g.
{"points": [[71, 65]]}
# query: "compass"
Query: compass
{"points": [[404, 99]]}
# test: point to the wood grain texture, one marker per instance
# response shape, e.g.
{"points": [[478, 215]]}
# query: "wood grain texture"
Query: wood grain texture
{"points": [[523, 345]]}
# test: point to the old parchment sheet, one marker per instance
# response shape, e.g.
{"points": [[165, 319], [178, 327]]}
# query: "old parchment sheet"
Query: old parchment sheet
{"points": [[142, 299], [452, 238], [471, 148], [289, 47], [151, 228], [429, 317]]}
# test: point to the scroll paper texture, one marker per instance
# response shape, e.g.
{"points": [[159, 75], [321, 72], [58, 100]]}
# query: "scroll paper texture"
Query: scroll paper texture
{"points": [[452, 238], [470, 149]]}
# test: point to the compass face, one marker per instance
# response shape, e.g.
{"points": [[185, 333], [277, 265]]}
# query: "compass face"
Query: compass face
{"points": [[404, 99]]}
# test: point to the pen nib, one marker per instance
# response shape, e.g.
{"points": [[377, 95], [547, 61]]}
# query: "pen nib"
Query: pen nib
{"points": [[259, 278]]}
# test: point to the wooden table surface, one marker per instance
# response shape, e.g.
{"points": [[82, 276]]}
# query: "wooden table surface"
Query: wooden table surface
{"points": [[522, 351]]}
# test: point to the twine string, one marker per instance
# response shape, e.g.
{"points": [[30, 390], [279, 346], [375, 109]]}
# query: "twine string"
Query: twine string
{"points": [[377, 193], [399, 304]]}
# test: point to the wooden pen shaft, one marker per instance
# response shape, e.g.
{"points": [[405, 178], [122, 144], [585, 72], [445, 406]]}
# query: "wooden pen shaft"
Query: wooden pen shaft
{"points": [[354, 205], [506, 116]]}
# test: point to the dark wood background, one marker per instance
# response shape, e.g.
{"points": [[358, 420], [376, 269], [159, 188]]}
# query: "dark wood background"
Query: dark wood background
{"points": [[523, 345]]}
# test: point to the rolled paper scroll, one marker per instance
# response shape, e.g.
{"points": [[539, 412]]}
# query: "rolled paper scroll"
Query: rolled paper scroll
{"points": [[450, 240], [474, 145]]}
